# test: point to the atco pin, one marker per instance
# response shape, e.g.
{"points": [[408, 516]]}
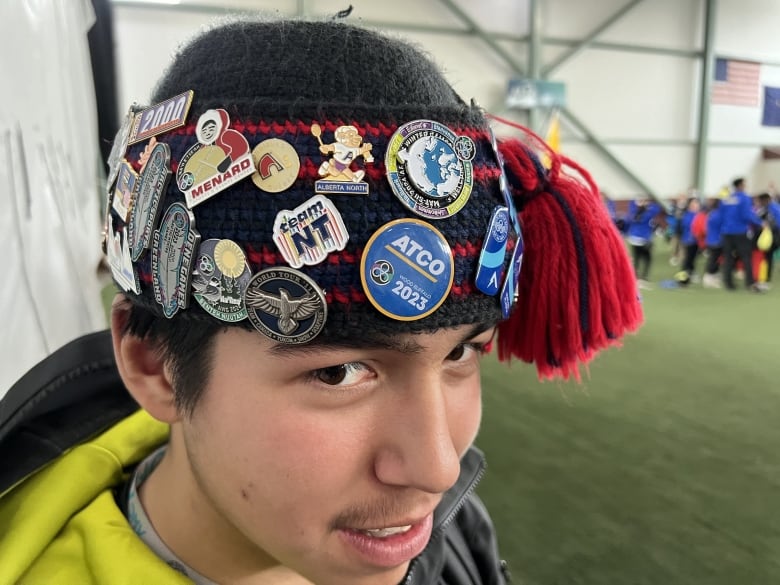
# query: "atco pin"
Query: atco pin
{"points": [[407, 269]]}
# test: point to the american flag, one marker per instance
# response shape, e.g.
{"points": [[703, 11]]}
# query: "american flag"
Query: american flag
{"points": [[736, 82]]}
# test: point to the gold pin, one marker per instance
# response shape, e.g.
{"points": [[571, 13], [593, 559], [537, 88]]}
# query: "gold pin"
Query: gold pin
{"points": [[276, 165]]}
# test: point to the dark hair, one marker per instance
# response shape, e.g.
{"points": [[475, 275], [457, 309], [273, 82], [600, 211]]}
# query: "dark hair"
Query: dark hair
{"points": [[739, 181], [185, 345]]}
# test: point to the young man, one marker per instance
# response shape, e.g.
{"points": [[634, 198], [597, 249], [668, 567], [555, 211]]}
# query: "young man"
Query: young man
{"points": [[641, 221], [737, 219], [305, 352]]}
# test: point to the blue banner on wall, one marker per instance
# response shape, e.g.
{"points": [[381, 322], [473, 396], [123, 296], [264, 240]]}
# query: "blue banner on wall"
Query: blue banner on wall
{"points": [[771, 106], [535, 93]]}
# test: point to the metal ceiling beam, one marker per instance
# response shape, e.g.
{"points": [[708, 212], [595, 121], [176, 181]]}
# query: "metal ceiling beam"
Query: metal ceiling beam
{"points": [[535, 55], [584, 43], [705, 87], [598, 145], [490, 40], [687, 53]]}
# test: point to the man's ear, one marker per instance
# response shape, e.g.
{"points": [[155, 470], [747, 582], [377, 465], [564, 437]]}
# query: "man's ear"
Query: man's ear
{"points": [[141, 367]]}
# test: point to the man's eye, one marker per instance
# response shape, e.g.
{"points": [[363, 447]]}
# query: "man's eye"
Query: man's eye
{"points": [[342, 374], [465, 350]]}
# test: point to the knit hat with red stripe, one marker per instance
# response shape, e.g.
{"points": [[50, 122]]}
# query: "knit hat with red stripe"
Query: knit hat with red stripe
{"points": [[298, 81]]}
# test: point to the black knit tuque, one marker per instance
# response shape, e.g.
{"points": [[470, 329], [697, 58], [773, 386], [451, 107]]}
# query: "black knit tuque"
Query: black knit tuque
{"points": [[276, 79]]}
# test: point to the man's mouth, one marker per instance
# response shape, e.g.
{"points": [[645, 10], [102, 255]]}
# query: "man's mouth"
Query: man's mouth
{"points": [[389, 546], [385, 532]]}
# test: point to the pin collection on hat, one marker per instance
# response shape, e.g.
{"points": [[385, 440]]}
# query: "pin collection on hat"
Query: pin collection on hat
{"points": [[314, 201], [407, 267]]}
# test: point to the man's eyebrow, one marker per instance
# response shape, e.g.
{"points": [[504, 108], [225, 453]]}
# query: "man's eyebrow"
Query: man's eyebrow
{"points": [[476, 330], [405, 346]]}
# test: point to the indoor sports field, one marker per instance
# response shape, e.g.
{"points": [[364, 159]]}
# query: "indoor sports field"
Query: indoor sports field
{"points": [[662, 467]]}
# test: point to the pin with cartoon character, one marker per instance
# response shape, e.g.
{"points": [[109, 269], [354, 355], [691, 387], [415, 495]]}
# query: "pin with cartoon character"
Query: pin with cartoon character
{"points": [[337, 172]]}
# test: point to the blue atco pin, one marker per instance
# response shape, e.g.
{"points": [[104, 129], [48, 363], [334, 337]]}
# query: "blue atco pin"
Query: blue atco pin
{"points": [[173, 249], [407, 269], [429, 168], [492, 256], [152, 182], [220, 278], [509, 289], [285, 305]]}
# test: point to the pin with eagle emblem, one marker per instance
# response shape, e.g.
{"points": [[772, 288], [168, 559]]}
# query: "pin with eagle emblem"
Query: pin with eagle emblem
{"points": [[285, 305]]}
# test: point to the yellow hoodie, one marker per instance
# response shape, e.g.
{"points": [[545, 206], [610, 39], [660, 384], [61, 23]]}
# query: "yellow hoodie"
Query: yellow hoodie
{"points": [[61, 526]]}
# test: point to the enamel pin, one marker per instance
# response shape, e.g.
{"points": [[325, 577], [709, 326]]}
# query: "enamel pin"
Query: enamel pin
{"points": [[152, 181], [119, 148], [509, 289], [118, 252], [492, 256], [337, 173], [276, 165], [126, 181], [173, 248], [503, 184], [220, 278], [286, 305], [429, 168], [407, 269], [308, 233], [220, 159], [159, 118]]}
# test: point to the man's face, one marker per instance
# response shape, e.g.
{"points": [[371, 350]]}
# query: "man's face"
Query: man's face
{"points": [[299, 451]]}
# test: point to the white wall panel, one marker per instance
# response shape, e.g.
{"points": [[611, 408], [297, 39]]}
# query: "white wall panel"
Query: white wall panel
{"points": [[619, 95], [631, 95], [749, 29], [666, 24]]}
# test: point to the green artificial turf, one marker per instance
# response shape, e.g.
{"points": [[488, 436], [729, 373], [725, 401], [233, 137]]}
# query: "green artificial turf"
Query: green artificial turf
{"points": [[662, 467]]}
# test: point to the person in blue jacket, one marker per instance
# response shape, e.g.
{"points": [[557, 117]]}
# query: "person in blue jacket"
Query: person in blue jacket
{"points": [[641, 222], [769, 212], [738, 219], [714, 246]]}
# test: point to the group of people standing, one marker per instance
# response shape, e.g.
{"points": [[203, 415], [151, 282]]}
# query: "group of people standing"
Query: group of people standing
{"points": [[735, 231]]}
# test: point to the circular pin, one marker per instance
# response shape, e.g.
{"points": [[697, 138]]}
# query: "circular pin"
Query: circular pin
{"points": [[285, 305], [429, 168], [407, 269], [276, 165], [220, 279]]}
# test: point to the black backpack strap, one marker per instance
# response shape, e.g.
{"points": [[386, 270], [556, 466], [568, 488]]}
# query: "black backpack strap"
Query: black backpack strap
{"points": [[70, 396]]}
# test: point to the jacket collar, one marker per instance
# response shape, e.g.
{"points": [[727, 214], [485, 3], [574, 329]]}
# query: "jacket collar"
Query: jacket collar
{"points": [[425, 567]]}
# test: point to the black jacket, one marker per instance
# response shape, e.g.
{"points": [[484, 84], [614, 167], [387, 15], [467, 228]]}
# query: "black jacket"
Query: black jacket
{"points": [[76, 393]]}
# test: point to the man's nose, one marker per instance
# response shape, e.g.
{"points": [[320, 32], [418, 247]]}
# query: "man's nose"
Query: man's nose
{"points": [[417, 447]]}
